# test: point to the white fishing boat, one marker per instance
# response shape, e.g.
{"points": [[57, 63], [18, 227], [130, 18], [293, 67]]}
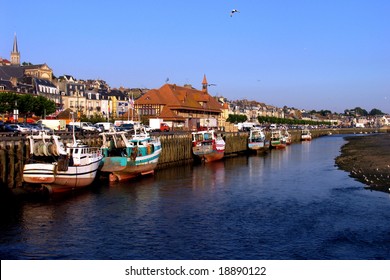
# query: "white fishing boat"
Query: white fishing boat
{"points": [[257, 140], [306, 134], [129, 155], [286, 136], [59, 167]]}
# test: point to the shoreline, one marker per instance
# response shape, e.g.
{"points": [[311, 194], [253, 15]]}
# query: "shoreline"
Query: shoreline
{"points": [[367, 159]]}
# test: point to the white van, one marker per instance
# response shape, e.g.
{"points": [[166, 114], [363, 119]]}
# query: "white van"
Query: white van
{"points": [[107, 125], [53, 124]]}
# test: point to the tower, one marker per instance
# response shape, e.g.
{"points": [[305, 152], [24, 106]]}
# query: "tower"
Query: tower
{"points": [[15, 55], [204, 84]]}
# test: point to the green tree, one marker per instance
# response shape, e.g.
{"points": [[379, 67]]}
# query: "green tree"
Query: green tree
{"points": [[26, 104], [43, 106], [236, 118], [375, 112], [361, 112], [7, 102]]}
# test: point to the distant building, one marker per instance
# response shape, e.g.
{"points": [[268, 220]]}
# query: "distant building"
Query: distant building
{"points": [[14, 72], [15, 54], [180, 106]]}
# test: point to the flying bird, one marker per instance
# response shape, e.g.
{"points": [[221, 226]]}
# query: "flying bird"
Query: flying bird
{"points": [[234, 11]]}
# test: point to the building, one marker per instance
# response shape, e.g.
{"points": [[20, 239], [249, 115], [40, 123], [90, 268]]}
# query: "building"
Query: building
{"points": [[39, 71], [180, 106], [15, 54]]}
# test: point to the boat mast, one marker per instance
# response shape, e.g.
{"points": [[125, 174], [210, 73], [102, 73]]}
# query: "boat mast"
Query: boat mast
{"points": [[73, 133]]}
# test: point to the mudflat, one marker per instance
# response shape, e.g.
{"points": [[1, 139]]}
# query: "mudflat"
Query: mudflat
{"points": [[367, 158]]}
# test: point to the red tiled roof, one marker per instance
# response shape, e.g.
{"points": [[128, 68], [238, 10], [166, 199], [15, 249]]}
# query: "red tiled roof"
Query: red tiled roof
{"points": [[177, 97], [168, 114]]}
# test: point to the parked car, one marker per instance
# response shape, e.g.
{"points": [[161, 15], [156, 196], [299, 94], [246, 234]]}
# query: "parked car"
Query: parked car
{"points": [[107, 125], [87, 126], [125, 127], [16, 127], [69, 128], [36, 127], [99, 127]]}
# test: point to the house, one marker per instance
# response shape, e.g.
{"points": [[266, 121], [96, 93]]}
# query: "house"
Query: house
{"points": [[180, 106], [39, 71], [5, 62]]}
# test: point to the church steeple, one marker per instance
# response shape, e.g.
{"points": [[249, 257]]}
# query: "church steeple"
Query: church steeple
{"points": [[15, 55], [204, 83]]}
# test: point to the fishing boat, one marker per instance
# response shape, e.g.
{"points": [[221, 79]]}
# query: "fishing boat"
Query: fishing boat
{"points": [[305, 134], [207, 146], [277, 140], [59, 167], [128, 155], [257, 140], [286, 136]]}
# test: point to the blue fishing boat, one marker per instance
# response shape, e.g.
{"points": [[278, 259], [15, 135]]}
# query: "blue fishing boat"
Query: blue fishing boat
{"points": [[128, 155]]}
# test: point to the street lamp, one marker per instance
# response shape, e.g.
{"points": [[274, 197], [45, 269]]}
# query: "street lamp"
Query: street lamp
{"points": [[16, 112]]}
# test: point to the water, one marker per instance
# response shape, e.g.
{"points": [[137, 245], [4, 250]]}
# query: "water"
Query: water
{"points": [[291, 204]]}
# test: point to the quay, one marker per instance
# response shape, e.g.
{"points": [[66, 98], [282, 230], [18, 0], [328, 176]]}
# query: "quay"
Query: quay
{"points": [[176, 149]]}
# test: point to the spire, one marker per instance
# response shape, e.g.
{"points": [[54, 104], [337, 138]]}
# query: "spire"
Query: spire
{"points": [[15, 48], [15, 55], [204, 83]]}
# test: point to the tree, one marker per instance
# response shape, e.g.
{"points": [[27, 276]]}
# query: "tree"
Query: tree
{"points": [[7, 102], [236, 118], [26, 104], [43, 106], [375, 112], [361, 112]]}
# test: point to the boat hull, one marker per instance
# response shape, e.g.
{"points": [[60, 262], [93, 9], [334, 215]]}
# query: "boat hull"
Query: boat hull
{"points": [[306, 138], [207, 154], [278, 144], [216, 155], [56, 181], [123, 168], [256, 145]]}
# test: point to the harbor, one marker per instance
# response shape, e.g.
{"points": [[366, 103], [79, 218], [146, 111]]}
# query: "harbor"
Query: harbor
{"points": [[176, 149], [288, 204]]}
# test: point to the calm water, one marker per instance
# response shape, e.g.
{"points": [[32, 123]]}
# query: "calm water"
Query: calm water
{"points": [[292, 204]]}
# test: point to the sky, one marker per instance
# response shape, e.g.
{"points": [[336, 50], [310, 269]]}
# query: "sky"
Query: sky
{"points": [[307, 54]]}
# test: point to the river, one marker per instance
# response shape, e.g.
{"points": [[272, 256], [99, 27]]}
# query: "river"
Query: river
{"points": [[288, 204]]}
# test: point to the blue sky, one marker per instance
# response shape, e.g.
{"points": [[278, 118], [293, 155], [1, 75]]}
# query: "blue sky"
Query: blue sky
{"points": [[307, 54]]}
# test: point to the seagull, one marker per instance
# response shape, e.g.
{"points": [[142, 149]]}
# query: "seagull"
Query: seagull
{"points": [[234, 11]]}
